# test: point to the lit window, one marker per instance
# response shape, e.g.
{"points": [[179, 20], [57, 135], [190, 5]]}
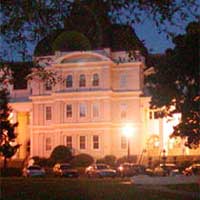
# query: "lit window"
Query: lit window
{"points": [[82, 80], [48, 113], [69, 81], [82, 110], [69, 141], [69, 111], [123, 142], [82, 142], [151, 115], [123, 108], [95, 110], [48, 86], [95, 81], [48, 144], [95, 142], [123, 80]]}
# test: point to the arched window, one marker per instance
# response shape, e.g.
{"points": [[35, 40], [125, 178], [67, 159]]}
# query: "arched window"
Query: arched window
{"points": [[82, 80], [69, 81], [95, 80]]}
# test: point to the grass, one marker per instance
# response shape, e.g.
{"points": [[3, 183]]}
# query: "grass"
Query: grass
{"points": [[18, 188], [186, 187]]}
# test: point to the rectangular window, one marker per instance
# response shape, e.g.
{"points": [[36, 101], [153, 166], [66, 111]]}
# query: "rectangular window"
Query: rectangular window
{"points": [[69, 141], [151, 115], [95, 110], [123, 142], [95, 142], [48, 144], [82, 142], [123, 80], [48, 113], [69, 111], [48, 86], [123, 108], [82, 110]]}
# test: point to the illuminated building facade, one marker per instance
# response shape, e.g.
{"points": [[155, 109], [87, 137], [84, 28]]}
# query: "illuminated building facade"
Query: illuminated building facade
{"points": [[96, 95]]}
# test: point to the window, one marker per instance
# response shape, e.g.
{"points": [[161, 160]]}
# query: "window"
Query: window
{"points": [[48, 144], [69, 141], [69, 111], [123, 142], [82, 110], [82, 142], [82, 81], [123, 80], [95, 142], [150, 115], [95, 110], [48, 113], [95, 80], [123, 108], [48, 86], [69, 81]]}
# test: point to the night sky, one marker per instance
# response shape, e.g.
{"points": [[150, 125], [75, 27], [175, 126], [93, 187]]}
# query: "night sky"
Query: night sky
{"points": [[148, 32]]}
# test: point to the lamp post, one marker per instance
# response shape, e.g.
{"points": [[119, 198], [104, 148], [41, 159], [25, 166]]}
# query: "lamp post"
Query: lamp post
{"points": [[128, 131]]}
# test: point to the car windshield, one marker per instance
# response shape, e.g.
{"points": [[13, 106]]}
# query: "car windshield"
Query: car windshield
{"points": [[34, 168], [168, 166], [102, 167], [65, 167]]}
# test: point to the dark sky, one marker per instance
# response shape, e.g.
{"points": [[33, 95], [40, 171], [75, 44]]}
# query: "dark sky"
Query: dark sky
{"points": [[158, 42], [147, 31]]}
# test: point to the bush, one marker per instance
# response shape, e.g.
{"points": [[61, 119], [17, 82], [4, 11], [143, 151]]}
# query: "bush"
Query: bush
{"points": [[11, 171], [109, 160], [132, 158], [82, 160], [61, 154]]}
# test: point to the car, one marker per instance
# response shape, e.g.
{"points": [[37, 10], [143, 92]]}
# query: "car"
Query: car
{"points": [[193, 169], [130, 169], [166, 169], [33, 171], [65, 170], [100, 170]]}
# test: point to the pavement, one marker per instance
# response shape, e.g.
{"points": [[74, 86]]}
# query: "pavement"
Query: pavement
{"points": [[160, 183], [166, 180]]}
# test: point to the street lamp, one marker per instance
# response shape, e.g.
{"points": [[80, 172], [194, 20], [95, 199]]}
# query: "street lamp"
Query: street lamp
{"points": [[127, 132]]}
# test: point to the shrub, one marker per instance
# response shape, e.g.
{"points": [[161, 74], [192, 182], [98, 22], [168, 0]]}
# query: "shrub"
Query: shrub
{"points": [[109, 160], [61, 154], [82, 160], [132, 158], [11, 171]]}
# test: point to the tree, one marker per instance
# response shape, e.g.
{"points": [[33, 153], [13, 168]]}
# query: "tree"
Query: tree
{"points": [[61, 153], [175, 84], [32, 20], [7, 129]]}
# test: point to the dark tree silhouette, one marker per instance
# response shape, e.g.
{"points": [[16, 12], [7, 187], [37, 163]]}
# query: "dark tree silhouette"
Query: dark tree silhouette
{"points": [[175, 84], [7, 129]]}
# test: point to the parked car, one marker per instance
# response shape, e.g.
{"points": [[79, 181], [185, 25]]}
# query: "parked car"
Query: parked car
{"points": [[131, 169], [33, 171], [65, 170], [167, 169], [193, 169], [100, 171]]}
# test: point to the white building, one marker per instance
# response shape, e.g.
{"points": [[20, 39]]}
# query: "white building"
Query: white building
{"points": [[98, 93]]}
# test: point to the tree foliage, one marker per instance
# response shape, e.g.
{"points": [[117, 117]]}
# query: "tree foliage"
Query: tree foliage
{"points": [[32, 20], [7, 129], [71, 40], [175, 84], [61, 153]]}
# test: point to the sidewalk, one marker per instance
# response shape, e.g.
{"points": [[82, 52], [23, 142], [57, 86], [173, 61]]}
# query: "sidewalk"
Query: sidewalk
{"points": [[167, 180]]}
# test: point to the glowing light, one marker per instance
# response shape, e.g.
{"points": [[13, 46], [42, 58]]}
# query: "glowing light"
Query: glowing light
{"points": [[128, 130]]}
